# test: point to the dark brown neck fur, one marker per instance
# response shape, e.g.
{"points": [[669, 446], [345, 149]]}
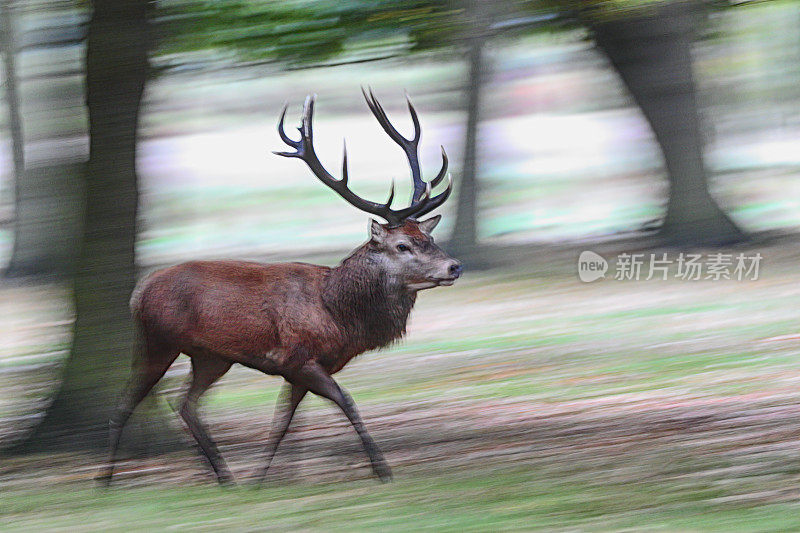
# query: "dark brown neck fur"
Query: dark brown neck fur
{"points": [[371, 309]]}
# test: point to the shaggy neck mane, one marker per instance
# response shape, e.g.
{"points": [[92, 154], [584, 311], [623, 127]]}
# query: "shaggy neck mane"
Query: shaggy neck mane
{"points": [[370, 307]]}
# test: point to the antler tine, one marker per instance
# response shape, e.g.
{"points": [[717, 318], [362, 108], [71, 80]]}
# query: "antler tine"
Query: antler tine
{"points": [[285, 138], [345, 175], [443, 172], [389, 201], [427, 195], [414, 120], [308, 111], [437, 200], [426, 203]]}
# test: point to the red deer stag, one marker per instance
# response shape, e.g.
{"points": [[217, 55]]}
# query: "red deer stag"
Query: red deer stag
{"points": [[299, 321]]}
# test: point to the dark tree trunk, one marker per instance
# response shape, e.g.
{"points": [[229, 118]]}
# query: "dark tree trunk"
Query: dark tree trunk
{"points": [[464, 239], [652, 54], [100, 358]]}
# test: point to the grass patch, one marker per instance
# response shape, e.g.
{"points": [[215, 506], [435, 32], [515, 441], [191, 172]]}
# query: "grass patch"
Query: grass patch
{"points": [[468, 501]]}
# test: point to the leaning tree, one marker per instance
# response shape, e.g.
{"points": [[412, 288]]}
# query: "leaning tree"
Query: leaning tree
{"points": [[649, 44]]}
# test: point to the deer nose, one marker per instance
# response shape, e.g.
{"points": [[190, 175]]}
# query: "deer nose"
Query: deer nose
{"points": [[455, 269]]}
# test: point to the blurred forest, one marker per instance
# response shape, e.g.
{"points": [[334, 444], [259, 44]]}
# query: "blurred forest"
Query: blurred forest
{"points": [[138, 134]]}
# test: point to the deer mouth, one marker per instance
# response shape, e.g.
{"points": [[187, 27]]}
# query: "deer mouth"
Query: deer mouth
{"points": [[432, 282]]}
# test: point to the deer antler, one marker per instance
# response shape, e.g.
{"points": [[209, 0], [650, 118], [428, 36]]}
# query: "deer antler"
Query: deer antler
{"points": [[421, 201]]}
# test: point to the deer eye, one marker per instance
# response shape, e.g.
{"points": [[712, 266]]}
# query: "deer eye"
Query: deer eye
{"points": [[403, 248]]}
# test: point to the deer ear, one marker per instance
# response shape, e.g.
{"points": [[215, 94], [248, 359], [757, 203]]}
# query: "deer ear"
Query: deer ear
{"points": [[377, 232], [426, 226]]}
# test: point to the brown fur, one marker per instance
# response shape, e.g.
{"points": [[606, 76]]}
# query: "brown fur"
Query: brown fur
{"points": [[245, 312]]}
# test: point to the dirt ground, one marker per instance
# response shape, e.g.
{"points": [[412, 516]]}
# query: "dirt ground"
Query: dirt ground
{"points": [[747, 439]]}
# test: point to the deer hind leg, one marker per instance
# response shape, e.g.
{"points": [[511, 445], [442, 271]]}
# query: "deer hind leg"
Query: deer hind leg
{"points": [[291, 396], [205, 371], [316, 379], [149, 367]]}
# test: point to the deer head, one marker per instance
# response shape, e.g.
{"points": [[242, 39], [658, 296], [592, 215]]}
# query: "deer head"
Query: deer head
{"points": [[402, 244]]}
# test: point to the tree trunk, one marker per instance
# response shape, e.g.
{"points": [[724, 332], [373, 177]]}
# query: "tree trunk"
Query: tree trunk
{"points": [[99, 361], [12, 97], [652, 54], [47, 198], [464, 240], [48, 209]]}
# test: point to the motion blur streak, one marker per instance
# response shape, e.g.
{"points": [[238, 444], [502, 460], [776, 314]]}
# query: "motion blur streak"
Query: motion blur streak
{"points": [[620, 353]]}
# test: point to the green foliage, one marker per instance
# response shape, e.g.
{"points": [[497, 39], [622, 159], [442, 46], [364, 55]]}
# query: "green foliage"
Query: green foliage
{"points": [[304, 31], [619, 7]]}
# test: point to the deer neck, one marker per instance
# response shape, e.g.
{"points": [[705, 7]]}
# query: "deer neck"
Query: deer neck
{"points": [[371, 307]]}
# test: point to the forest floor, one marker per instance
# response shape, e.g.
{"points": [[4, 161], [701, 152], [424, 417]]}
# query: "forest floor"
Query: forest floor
{"points": [[522, 399]]}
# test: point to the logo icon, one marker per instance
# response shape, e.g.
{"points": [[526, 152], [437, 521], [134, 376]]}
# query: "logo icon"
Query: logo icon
{"points": [[591, 266]]}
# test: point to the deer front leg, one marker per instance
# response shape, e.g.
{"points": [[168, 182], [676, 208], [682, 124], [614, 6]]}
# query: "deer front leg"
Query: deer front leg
{"points": [[291, 397], [316, 379]]}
